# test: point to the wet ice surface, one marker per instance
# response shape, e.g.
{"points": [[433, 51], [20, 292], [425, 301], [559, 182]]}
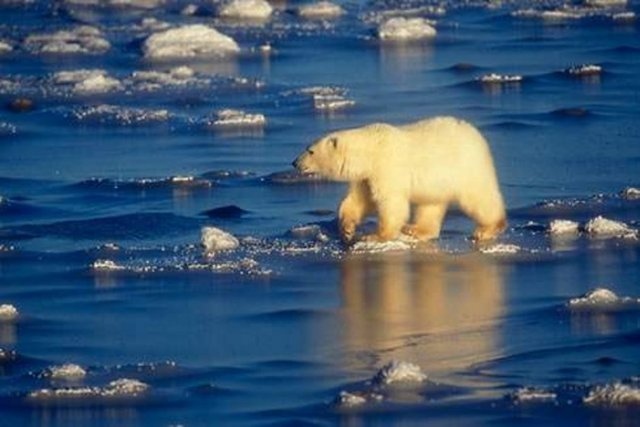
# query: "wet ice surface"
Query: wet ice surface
{"points": [[162, 264]]}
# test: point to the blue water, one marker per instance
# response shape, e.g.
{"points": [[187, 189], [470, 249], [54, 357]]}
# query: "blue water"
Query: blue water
{"points": [[100, 243]]}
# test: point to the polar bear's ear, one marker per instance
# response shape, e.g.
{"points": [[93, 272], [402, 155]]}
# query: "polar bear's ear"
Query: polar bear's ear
{"points": [[334, 142]]}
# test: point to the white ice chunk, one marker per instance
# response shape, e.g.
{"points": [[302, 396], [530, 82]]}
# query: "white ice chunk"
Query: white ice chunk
{"points": [[106, 265], [399, 372], [237, 119], [214, 239], [605, 3], [563, 227], [97, 84], [406, 29], [631, 193], [8, 312], [584, 70], [132, 4], [246, 9], [500, 78], [123, 387], [189, 41], [501, 248], [530, 394], [5, 47], [83, 39], [320, 10], [603, 227], [602, 299], [68, 371], [616, 394]]}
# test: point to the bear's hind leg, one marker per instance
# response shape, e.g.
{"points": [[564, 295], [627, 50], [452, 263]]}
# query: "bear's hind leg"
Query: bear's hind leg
{"points": [[427, 221], [353, 208]]}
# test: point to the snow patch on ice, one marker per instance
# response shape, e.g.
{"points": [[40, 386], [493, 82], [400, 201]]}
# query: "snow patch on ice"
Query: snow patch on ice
{"points": [[246, 9], [320, 10], [8, 312], [602, 227], [189, 41], [80, 40], [563, 227], [603, 299], [399, 372], [616, 394], [405, 29], [214, 240]]}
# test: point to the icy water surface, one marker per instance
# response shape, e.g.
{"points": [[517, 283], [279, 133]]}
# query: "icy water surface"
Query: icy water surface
{"points": [[162, 265]]}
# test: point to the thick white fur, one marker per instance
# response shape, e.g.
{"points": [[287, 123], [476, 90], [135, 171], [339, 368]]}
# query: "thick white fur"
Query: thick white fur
{"points": [[428, 164]]}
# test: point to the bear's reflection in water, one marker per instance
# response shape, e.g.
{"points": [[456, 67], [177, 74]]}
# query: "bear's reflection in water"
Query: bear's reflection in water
{"points": [[441, 312]]}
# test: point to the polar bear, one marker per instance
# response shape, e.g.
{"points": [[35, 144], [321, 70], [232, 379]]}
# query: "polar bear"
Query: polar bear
{"points": [[429, 164]]}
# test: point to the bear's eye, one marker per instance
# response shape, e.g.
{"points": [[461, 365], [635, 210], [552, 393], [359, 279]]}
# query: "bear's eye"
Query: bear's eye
{"points": [[310, 151]]}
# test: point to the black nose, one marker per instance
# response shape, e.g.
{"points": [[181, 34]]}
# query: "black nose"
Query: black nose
{"points": [[295, 163]]}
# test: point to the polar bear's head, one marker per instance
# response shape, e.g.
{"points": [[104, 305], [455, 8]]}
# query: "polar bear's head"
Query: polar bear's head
{"points": [[343, 155]]}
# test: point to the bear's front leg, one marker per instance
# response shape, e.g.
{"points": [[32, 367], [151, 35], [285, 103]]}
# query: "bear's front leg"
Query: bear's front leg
{"points": [[393, 213], [355, 206]]}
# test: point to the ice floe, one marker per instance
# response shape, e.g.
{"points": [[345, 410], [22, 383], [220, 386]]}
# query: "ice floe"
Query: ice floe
{"points": [[85, 82], [563, 227], [153, 80], [120, 388], [5, 47], [214, 240], [605, 3], [364, 246], [616, 394], [310, 231], [494, 78], [230, 118], [532, 395], [246, 9], [584, 70], [320, 10], [602, 299], [501, 249], [106, 265], [115, 114], [189, 41], [8, 312], [602, 227], [116, 4], [346, 400], [399, 372], [328, 98], [596, 9], [406, 29], [68, 372], [630, 193], [83, 39]]}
